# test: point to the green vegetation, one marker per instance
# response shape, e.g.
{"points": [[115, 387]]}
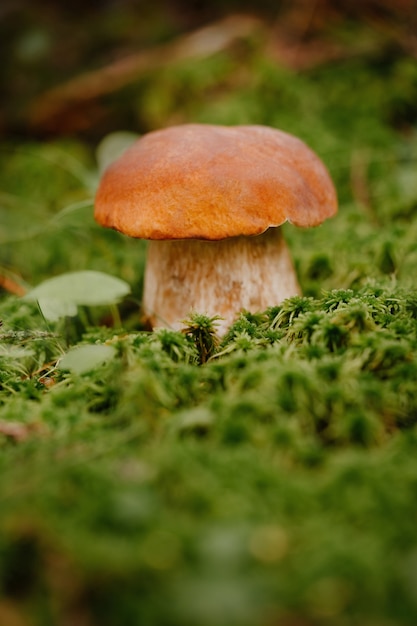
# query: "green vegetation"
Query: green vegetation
{"points": [[167, 478]]}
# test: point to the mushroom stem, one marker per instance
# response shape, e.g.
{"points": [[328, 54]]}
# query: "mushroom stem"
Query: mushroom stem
{"points": [[216, 278]]}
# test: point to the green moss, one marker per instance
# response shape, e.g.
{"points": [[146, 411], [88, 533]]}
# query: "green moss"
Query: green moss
{"points": [[267, 477]]}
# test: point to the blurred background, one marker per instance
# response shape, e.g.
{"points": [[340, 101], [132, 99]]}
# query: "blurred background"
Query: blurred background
{"points": [[85, 68]]}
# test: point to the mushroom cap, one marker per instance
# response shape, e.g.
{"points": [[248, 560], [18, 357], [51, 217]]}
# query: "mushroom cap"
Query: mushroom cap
{"points": [[200, 181]]}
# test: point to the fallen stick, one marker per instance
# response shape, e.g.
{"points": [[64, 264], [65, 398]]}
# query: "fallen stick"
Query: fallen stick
{"points": [[94, 84]]}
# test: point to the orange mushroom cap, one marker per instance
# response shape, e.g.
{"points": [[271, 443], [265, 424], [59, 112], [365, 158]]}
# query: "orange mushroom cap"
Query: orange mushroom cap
{"points": [[200, 181]]}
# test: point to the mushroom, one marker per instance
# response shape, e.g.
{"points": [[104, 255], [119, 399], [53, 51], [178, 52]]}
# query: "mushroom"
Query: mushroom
{"points": [[211, 199]]}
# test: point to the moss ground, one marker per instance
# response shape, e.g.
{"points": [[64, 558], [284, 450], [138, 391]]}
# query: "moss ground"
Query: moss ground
{"points": [[269, 479]]}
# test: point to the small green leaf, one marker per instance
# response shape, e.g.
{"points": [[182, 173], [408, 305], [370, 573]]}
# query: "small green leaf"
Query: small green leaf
{"points": [[194, 420], [112, 147], [14, 352], [53, 308], [60, 296], [82, 359]]}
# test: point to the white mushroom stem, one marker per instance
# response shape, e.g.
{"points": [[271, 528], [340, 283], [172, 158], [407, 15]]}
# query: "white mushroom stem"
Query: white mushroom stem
{"points": [[216, 278]]}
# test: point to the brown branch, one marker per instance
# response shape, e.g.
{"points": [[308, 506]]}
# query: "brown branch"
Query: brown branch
{"points": [[94, 84], [15, 430], [10, 285]]}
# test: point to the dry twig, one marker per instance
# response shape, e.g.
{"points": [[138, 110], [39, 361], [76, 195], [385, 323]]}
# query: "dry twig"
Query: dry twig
{"points": [[95, 84]]}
